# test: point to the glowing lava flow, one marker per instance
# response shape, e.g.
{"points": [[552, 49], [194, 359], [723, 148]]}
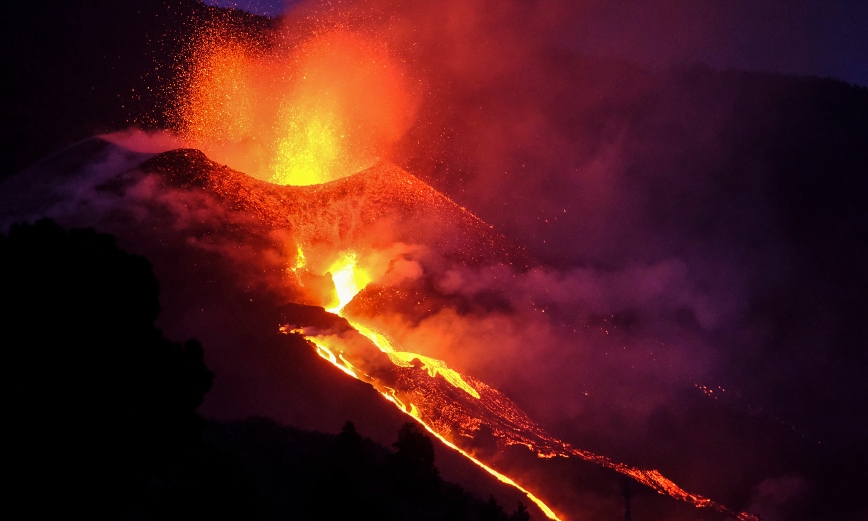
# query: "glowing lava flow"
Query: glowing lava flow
{"points": [[349, 280], [542, 506], [465, 402]]}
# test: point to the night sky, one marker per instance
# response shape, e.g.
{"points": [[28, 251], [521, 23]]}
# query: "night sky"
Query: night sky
{"points": [[807, 37]]}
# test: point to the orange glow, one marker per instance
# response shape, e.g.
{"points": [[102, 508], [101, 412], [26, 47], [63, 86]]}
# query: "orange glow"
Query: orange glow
{"points": [[300, 260], [542, 506], [310, 110], [380, 340], [310, 147], [349, 279], [341, 363], [509, 425], [216, 105], [300, 113], [434, 367], [327, 354]]}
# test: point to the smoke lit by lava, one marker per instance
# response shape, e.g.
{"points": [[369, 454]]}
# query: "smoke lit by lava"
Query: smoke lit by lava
{"points": [[297, 125], [310, 109], [357, 231]]}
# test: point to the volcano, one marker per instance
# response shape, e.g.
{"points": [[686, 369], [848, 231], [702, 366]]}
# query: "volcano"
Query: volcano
{"points": [[674, 279], [266, 260]]}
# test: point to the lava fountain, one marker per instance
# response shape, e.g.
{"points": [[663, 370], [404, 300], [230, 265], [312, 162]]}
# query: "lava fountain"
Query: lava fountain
{"points": [[292, 112]]}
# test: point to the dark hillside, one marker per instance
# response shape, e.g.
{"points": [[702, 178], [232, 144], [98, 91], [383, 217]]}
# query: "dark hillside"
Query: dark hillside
{"points": [[309, 475], [100, 408], [98, 401], [73, 69]]}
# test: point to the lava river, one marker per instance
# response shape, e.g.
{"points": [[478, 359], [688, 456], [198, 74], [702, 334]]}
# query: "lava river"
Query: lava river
{"points": [[450, 405]]}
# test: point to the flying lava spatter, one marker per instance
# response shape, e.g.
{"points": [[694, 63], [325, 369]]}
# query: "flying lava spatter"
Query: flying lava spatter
{"points": [[291, 113]]}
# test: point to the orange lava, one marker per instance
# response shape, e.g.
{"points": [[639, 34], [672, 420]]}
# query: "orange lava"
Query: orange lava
{"points": [[311, 110], [432, 405], [292, 112], [426, 402], [331, 218]]}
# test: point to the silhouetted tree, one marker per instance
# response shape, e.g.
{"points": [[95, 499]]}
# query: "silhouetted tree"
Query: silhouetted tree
{"points": [[520, 513], [208, 483], [415, 451], [344, 473], [98, 401], [348, 443], [492, 511], [414, 469]]}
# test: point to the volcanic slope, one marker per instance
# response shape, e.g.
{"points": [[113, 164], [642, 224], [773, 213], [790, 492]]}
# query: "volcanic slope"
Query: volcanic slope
{"points": [[384, 205], [378, 206], [208, 231], [374, 208], [458, 408]]}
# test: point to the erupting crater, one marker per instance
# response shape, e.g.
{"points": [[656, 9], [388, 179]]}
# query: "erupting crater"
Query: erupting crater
{"points": [[355, 230]]}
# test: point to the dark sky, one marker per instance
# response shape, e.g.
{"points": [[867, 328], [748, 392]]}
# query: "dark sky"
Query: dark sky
{"points": [[263, 7], [805, 37]]}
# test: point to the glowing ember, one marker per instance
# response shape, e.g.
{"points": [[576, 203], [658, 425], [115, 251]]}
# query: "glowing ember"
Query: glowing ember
{"points": [[300, 260]]}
